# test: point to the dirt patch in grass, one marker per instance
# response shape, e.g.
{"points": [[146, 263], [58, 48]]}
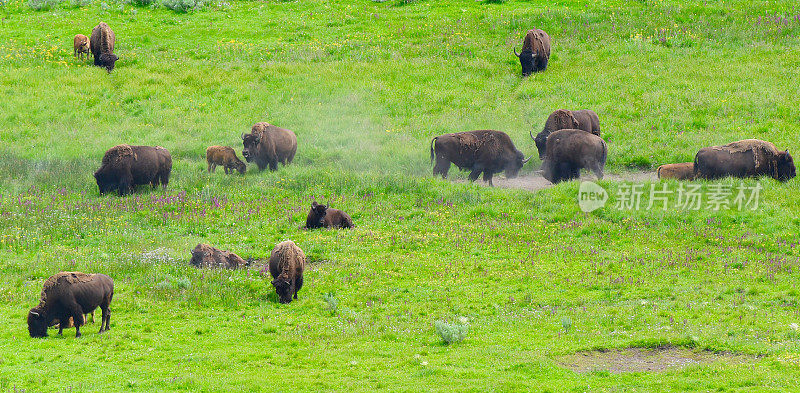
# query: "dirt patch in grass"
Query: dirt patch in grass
{"points": [[628, 360], [535, 181]]}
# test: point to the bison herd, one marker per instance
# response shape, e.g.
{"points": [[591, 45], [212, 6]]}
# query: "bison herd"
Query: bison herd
{"points": [[569, 142]]}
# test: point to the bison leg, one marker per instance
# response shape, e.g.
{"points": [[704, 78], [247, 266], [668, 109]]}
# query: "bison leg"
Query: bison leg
{"points": [[474, 174], [442, 167], [105, 319], [487, 177], [297, 285], [211, 167], [598, 171], [273, 164], [164, 176]]}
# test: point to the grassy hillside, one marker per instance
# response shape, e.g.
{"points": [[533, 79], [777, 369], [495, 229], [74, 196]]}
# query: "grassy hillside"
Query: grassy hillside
{"points": [[366, 85]]}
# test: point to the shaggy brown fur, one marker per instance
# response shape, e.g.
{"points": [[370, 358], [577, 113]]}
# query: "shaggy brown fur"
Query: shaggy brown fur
{"points": [[563, 119], [568, 151], [286, 265], [746, 158], [225, 156], [486, 151], [205, 255], [268, 145], [535, 52], [125, 166], [80, 45], [682, 171], [102, 46], [68, 295], [322, 216]]}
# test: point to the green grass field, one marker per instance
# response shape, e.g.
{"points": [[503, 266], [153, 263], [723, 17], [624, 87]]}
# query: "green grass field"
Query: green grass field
{"points": [[365, 85]]}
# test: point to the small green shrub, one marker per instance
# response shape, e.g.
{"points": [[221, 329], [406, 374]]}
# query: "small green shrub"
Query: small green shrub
{"points": [[183, 5], [140, 3], [41, 5], [451, 332], [333, 302]]}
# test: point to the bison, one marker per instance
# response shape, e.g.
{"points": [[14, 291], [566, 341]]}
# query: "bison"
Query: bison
{"points": [[486, 151], [570, 150], [225, 156], [68, 295], [267, 145], [203, 255], [102, 46], [286, 264], [80, 45], [323, 216], [535, 52], [746, 158], [682, 171], [125, 166], [563, 119]]}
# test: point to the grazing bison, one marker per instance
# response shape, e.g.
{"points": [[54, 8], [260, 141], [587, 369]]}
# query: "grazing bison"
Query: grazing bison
{"points": [[204, 255], [125, 166], [225, 156], [68, 295], [102, 46], [80, 45], [486, 151], [746, 158], [682, 171], [286, 264], [268, 145], [323, 216], [570, 150], [535, 52], [562, 119]]}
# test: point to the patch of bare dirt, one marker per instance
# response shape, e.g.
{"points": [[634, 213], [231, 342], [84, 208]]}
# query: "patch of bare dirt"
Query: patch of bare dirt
{"points": [[535, 181], [628, 360]]}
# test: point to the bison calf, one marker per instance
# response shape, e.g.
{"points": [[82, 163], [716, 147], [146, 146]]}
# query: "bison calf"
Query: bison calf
{"points": [[746, 158], [126, 166], [204, 255], [225, 156], [68, 295], [286, 265], [568, 151], [682, 171], [80, 45], [323, 216]]}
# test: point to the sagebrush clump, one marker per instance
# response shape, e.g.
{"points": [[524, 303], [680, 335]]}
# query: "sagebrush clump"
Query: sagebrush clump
{"points": [[451, 332]]}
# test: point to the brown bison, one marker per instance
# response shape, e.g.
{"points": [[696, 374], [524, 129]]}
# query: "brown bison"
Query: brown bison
{"points": [[286, 264], [68, 295], [535, 52], [80, 45], [125, 166], [486, 151], [203, 255], [568, 151], [268, 145], [225, 156], [562, 119], [682, 171], [102, 46], [323, 216], [746, 158]]}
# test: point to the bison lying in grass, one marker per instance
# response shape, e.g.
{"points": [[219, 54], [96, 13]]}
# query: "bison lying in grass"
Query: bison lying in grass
{"points": [[323, 216], [204, 255], [68, 295], [746, 158], [125, 166], [286, 265], [225, 156], [681, 171]]}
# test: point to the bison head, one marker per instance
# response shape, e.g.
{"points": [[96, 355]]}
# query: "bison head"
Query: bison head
{"points": [[541, 144], [316, 215], [515, 164], [241, 167], [103, 184], [283, 287], [250, 143], [108, 60], [526, 60], [37, 323], [785, 164]]}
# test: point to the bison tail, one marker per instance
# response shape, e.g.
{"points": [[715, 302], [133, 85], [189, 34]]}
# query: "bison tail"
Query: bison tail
{"points": [[432, 142]]}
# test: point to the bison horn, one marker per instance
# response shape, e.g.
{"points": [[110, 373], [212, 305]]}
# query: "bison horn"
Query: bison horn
{"points": [[527, 159], [35, 313], [515, 52], [242, 136]]}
